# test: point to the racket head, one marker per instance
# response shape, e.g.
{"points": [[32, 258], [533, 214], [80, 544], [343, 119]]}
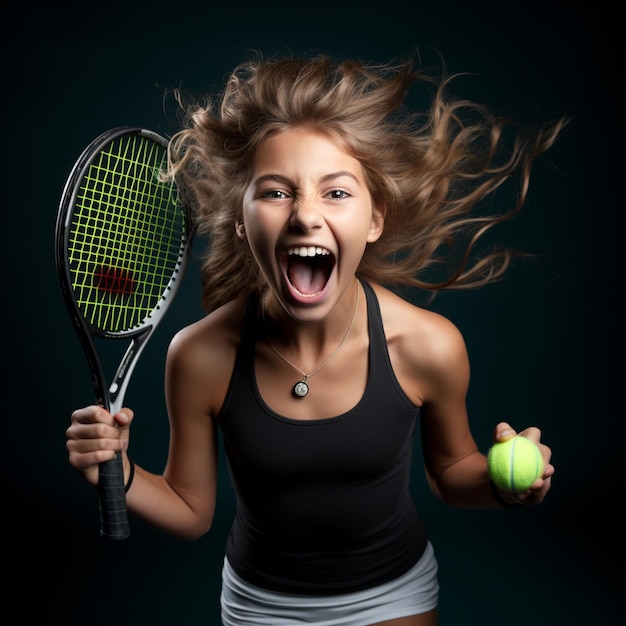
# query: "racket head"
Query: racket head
{"points": [[122, 236]]}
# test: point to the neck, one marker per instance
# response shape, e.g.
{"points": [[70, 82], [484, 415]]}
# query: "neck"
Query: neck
{"points": [[307, 343]]}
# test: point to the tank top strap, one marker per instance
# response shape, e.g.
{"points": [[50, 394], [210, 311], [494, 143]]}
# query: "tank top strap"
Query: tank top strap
{"points": [[380, 362]]}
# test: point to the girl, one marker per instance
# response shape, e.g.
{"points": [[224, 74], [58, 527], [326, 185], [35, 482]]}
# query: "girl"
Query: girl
{"points": [[318, 192]]}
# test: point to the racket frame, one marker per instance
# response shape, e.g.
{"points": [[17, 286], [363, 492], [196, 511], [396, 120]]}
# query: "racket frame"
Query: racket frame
{"points": [[114, 519]]}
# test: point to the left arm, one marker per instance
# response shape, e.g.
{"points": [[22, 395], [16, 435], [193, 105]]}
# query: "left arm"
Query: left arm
{"points": [[456, 470], [431, 362]]}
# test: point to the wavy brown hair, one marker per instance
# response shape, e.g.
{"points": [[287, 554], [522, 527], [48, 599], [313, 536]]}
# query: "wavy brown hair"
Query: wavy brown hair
{"points": [[432, 171]]}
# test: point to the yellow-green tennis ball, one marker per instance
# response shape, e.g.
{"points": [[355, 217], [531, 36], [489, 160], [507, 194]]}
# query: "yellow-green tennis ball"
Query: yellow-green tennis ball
{"points": [[515, 464]]}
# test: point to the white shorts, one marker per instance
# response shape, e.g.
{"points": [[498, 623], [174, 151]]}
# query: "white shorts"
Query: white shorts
{"points": [[411, 594]]}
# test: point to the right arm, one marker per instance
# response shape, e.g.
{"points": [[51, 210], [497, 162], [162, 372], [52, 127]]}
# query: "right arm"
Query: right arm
{"points": [[181, 501]]}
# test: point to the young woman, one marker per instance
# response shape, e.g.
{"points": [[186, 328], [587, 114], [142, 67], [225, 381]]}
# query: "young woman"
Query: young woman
{"points": [[319, 191]]}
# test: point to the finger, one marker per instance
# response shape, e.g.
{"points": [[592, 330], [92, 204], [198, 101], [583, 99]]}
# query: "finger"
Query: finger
{"points": [[89, 446], [503, 432], [548, 471], [92, 414], [124, 416], [89, 460], [533, 433], [95, 430], [538, 490]]}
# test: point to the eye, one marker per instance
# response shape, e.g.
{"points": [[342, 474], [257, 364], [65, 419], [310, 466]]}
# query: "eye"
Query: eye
{"points": [[274, 194], [338, 194]]}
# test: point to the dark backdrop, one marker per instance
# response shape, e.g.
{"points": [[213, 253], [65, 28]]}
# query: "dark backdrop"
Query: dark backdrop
{"points": [[545, 344]]}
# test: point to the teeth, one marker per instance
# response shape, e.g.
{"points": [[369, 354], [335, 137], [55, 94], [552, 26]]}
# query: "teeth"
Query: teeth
{"points": [[308, 251]]}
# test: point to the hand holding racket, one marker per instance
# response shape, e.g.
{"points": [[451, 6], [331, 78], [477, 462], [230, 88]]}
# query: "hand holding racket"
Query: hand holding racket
{"points": [[121, 249]]}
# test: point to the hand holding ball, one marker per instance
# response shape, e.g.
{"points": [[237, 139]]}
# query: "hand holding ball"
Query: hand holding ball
{"points": [[515, 464]]}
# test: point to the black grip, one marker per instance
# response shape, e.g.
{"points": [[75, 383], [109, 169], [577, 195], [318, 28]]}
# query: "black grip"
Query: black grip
{"points": [[113, 514]]}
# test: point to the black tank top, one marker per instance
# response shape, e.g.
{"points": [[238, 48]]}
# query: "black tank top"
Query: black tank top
{"points": [[323, 506]]}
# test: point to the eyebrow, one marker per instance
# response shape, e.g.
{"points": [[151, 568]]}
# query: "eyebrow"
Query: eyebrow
{"points": [[283, 179]]}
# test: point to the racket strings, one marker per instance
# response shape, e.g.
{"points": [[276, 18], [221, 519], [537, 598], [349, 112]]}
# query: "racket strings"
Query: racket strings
{"points": [[126, 236]]}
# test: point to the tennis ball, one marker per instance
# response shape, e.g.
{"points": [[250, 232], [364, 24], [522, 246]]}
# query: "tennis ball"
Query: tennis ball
{"points": [[515, 464]]}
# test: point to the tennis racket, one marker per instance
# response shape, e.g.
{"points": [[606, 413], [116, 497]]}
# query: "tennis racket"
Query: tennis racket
{"points": [[122, 239]]}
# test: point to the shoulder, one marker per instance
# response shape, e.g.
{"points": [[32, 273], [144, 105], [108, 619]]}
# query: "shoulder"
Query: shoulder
{"points": [[406, 322], [202, 355], [219, 330], [426, 348]]}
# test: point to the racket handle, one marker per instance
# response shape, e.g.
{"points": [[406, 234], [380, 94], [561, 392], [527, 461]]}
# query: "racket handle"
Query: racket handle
{"points": [[113, 515]]}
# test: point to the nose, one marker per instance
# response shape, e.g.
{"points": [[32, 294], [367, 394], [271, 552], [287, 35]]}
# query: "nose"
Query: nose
{"points": [[306, 214]]}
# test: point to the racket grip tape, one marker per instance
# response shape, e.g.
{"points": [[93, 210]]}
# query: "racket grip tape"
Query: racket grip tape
{"points": [[113, 514]]}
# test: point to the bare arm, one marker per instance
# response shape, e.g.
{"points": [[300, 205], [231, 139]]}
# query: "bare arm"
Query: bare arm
{"points": [[181, 501], [456, 469], [430, 359]]}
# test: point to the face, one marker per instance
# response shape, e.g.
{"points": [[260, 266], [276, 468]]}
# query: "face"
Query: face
{"points": [[308, 216]]}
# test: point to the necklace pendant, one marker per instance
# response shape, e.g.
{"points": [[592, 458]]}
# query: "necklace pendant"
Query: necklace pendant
{"points": [[301, 388]]}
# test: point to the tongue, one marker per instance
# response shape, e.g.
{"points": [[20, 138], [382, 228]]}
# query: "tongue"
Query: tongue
{"points": [[306, 277]]}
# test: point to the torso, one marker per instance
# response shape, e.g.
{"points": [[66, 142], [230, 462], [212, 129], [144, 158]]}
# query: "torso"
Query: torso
{"points": [[323, 498]]}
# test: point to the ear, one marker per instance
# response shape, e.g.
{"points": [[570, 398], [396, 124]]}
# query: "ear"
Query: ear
{"points": [[377, 224], [240, 229]]}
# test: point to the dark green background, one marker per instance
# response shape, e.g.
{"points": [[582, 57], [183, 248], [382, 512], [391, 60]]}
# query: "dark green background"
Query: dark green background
{"points": [[546, 345]]}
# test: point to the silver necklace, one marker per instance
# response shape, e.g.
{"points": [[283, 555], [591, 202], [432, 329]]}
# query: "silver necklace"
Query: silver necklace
{"points": [[301, 388]]}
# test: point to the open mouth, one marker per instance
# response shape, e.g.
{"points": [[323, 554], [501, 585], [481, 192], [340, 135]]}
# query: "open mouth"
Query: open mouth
{"points": [[309, 268]]}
